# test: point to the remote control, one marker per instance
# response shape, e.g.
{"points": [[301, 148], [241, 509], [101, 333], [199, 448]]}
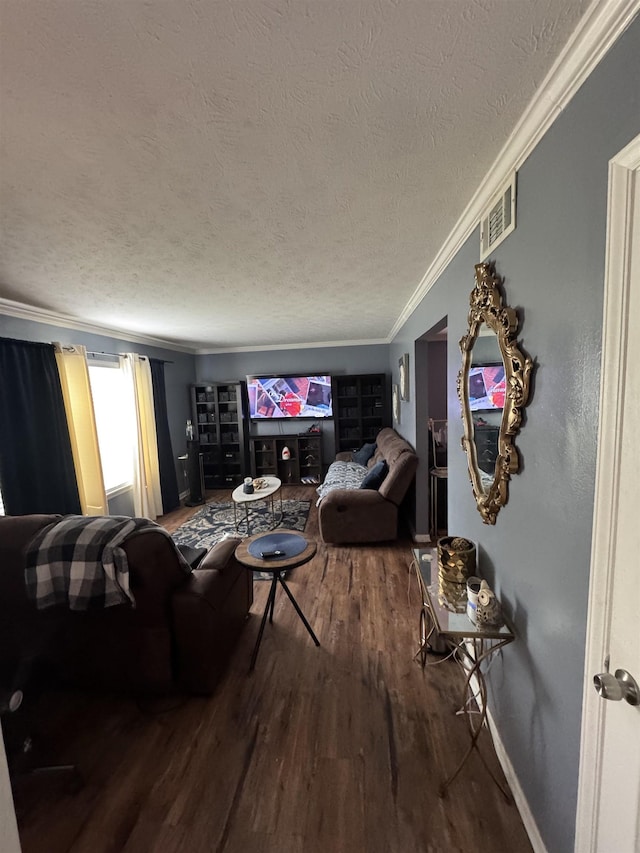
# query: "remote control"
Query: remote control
{"points": [[266, 554]]}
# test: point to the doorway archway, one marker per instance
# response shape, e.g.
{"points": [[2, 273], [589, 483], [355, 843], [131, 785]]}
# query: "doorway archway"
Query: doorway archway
{"points": [[431, 402]]}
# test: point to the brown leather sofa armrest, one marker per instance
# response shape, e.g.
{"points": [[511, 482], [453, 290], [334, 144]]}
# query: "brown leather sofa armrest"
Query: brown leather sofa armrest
{"points": [[355, 497], [209, 612], [344, 456], [220, 554], [356, 515], [207, 586]]}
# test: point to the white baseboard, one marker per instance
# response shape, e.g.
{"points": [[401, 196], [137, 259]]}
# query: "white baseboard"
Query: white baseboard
{"points": [[510, 775], [518, 794]]}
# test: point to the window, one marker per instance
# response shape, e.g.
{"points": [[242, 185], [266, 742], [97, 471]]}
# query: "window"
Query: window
{"points": [[115, 422]]}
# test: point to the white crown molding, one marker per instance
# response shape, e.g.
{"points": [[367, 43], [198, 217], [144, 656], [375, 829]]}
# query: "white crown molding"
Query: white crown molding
{"points": [[41, 315], [312, 345], [601, 25]]}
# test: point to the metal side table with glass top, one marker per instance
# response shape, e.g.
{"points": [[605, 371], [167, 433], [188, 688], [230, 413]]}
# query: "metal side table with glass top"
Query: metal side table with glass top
{"points": [[444, 619]]}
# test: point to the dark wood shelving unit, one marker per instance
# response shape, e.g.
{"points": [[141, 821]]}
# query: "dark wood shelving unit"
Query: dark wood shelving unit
{"points": [[305, 460], [220, 427], [362, 407]]}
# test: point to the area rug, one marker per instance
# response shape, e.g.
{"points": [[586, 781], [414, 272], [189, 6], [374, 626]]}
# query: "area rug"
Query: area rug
{"points": [[215, 521]]}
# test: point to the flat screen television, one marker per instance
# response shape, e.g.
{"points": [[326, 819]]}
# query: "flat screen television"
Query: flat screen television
{"points": [[277, 397], [486, 387]]}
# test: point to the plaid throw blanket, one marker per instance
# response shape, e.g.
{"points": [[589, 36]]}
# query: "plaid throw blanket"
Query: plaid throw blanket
{"points": [[78, 561]]}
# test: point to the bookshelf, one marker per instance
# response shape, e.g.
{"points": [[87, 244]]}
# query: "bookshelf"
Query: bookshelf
{"points": [[220, 427], [362, 407]]}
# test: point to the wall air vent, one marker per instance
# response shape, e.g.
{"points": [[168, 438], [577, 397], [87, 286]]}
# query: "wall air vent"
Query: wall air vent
{"points": [[499, 219]]}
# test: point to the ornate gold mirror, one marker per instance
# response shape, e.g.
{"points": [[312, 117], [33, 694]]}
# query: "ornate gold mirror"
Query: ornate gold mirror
{"points": [[493, 386]]}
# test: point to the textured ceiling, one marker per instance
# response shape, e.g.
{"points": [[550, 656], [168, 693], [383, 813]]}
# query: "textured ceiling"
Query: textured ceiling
{"points": [[224, 173]]}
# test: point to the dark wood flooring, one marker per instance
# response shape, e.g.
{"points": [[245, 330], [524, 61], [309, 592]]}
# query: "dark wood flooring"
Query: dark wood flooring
{"points": [[332, 749]]}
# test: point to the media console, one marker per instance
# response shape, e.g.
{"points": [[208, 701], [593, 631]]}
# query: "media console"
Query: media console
{"points": [[301, 465]]}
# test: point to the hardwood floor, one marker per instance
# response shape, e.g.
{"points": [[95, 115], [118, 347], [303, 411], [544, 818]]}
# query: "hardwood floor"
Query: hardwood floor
{"points": [[336, 748]]}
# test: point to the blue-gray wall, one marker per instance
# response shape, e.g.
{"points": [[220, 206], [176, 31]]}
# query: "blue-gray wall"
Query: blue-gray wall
{"points": [[179, 373], [537, 555]]}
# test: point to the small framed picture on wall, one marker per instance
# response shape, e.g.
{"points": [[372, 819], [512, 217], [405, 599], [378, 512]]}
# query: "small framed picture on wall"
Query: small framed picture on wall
{"points": [[395, 400], [403, 367]]}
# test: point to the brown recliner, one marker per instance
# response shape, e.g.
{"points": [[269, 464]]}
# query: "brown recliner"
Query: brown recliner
{"points": [[179, 636], [353, 515]]}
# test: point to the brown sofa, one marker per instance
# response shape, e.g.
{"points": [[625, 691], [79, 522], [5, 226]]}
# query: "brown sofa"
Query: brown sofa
{"points": [[357, 515], [179, 635]]}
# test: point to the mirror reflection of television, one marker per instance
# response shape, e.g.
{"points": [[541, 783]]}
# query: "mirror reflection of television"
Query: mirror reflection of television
{"points": [[487, 387], [278, 397]]}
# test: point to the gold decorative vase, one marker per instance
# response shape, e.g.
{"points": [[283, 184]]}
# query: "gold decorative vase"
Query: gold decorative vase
{"points": [[452, 596], [456, 559]]}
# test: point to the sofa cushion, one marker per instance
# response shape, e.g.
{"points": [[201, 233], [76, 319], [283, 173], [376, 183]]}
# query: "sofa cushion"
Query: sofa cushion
{"points": [[378, 456], [365, 453], [375, 476], [392, 446], [401, 474]]}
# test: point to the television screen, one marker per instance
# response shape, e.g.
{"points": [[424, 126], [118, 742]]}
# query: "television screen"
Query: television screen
{"points": [[486, 387], [289, 397]]}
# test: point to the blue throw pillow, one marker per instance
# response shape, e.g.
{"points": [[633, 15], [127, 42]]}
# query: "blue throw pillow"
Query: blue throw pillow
{"points": [[375, 476], [363, 455]]}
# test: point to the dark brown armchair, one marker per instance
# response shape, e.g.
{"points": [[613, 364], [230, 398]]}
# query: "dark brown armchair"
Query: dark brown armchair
{"points": [[179, 636]]}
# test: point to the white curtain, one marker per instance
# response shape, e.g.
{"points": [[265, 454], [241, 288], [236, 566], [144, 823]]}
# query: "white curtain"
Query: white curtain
{"points": [[78, 404], [147, 497]]}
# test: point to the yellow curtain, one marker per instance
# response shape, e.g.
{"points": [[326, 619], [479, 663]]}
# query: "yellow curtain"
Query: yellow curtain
{"points": [[76, 391], [147, 496]]}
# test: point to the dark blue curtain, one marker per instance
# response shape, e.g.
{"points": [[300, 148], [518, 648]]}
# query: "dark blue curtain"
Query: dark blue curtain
{"points": [[166, 462], [36, 463]]}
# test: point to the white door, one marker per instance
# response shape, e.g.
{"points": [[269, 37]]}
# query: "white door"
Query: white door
{"points": [[608, 815]]}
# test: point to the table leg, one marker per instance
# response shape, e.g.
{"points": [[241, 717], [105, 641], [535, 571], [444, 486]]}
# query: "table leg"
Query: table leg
{"points": [[298, 611], [246, 512], [276, 521], [268, 608], [273, 603], [423, 638], [479, 655]]}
